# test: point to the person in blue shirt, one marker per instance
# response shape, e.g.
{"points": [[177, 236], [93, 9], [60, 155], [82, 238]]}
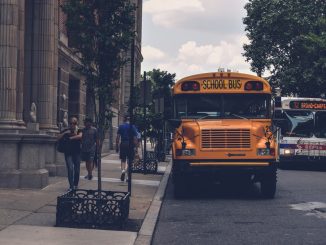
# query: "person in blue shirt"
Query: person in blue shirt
{"points": [[125, 131]]}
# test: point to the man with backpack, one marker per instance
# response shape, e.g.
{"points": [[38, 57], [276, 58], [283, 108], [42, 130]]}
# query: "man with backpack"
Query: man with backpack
{"points": [[125, 133]]}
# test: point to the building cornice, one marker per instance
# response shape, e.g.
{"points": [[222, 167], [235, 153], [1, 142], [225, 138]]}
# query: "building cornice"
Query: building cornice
{"points": [[68, 54]]}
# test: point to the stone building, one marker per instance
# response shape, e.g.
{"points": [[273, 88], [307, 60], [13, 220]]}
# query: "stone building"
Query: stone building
{"points": [[39, 89]]}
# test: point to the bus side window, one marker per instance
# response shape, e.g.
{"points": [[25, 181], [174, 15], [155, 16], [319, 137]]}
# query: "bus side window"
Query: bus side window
{"points": [[181, 108]]}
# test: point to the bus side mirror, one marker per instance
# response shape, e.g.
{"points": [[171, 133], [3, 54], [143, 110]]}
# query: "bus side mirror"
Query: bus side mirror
{"points": [[278, 122], [175, 123]]}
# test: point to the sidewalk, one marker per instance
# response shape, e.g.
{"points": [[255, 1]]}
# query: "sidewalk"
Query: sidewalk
{"points": [[28, 216]]}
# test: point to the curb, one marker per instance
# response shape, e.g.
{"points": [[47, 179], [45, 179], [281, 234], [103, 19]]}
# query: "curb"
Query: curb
{"points": [[147, 229]]}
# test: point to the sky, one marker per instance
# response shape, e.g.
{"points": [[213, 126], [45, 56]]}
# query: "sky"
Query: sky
{"points": [[193, 36]]}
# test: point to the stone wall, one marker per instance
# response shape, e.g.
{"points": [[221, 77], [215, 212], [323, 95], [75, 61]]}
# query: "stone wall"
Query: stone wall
{"points": [[24, 159]]}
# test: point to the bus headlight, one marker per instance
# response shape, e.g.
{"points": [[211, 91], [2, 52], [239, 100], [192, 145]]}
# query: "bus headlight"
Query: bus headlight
{"points": [[288, 151], [265, 152], [186, 152]]}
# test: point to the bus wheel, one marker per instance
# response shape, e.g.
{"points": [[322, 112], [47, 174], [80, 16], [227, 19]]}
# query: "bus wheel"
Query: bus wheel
{"points": [[268, 184], [180, 187]]}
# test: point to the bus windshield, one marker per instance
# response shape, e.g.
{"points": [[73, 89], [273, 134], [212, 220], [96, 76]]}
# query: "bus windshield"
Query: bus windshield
{"points": [[298, 123], [222, 106], [320, 129]]}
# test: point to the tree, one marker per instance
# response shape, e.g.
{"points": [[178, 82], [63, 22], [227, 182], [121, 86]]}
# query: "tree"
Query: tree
{"points": [[154, 122], [100, 31], [162, 85], [287, 38], [162, 82]]}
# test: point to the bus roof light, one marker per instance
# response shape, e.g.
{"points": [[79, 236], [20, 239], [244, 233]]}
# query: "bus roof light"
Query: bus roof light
{"points": [[248, 86], [259, 86], [190, 86], [254, 85], [195, 86]]}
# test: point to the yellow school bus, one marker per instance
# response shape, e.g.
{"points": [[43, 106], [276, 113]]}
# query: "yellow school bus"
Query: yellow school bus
{"points": [[223, 129]]}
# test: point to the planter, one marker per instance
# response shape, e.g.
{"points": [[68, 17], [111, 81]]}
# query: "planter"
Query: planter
{"points": [[150, 166], [93, 209]]}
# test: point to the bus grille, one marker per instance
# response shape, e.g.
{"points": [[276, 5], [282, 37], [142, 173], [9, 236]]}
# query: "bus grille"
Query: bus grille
{"points": [[225, 138]]}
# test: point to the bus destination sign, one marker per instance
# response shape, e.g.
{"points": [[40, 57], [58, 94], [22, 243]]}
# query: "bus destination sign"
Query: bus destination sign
{"points": [[312, 105]]}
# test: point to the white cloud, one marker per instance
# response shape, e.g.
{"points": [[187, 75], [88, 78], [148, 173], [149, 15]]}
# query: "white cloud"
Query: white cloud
{"points": [[195, 14], [195, 58], [169, 13], [158, 6], [152, 54], [190, 50]]}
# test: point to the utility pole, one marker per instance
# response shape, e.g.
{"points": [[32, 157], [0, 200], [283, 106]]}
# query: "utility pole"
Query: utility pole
{"points": [[145, 131], [131, 111]]}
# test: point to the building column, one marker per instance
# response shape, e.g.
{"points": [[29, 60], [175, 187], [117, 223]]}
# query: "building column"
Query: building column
{"points": [[9, 35], [44, 62], [20, 62], [56, 64]]}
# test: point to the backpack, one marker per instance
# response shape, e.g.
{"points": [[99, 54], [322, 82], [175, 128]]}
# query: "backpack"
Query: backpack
{"points": [[63, 144]]}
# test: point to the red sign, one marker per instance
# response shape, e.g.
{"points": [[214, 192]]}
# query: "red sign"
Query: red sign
{"points": [[310, 105]]}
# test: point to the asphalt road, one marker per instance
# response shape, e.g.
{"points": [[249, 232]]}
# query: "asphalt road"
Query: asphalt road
{"points": [[236, 214]]}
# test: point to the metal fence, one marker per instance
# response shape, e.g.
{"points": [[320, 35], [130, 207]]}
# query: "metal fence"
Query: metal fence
{"points": [[93, 209], [150, 165]]}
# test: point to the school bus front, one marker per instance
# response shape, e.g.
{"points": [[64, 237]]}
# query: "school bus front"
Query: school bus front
{"points": [[224, 129]]}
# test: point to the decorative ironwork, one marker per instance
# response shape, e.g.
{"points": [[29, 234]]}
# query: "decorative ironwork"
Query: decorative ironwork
{"points": [[93, 209], [151, 164]]}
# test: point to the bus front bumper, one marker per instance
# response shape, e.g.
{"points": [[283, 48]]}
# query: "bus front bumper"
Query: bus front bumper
{"points": [[198, 166], [229, 164]]}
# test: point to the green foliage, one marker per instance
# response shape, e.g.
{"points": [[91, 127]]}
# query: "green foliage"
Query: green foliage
{"points": [[162, 83], [287, 38], [100, 31]]}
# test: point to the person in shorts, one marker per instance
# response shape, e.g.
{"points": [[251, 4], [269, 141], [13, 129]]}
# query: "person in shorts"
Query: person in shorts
{"points": [[123, 144], [88, 146]]}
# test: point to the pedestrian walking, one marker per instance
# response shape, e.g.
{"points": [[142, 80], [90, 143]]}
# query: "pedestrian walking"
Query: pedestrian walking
{"points": [[151, 135], [123, 145], [88, 147], [73, 137]]}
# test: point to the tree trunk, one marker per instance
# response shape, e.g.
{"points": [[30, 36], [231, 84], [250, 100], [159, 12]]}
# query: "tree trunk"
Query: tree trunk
{"points": [[110, 134], [101, 120]]}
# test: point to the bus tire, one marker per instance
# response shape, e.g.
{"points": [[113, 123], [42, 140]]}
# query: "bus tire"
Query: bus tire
{"points": [[180, 187], [268, 184]]}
